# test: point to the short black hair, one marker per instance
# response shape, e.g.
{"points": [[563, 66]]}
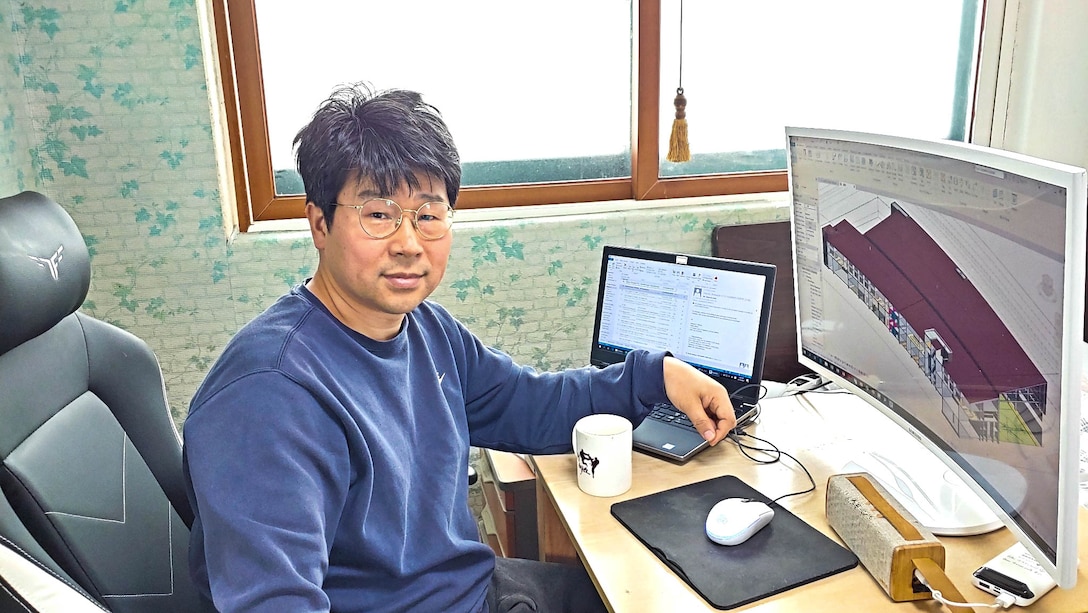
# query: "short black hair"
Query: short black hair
{"points": [[383, 136]]}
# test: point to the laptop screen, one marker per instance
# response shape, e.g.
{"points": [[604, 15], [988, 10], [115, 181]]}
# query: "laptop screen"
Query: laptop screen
{"points": [[712, 313]]}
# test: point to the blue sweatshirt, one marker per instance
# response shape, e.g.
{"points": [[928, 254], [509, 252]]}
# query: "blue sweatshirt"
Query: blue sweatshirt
{"points": [[328, 471]]}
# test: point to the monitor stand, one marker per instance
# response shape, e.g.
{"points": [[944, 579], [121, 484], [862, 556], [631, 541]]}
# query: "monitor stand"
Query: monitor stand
{"points": [[927, 488]]}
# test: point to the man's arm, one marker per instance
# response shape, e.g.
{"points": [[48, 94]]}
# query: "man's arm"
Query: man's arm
{"points": [[515, 408], [701, 398], [264, 464]]}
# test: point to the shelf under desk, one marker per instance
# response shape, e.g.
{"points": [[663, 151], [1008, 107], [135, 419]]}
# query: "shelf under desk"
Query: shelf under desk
{"points": [[511, 500], [631, 579]]}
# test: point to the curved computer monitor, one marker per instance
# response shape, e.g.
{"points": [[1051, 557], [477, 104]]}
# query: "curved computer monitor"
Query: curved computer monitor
{"points": [[943, 283]]}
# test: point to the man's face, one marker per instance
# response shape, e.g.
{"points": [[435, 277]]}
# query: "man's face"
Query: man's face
{"points": [[368, 283]]}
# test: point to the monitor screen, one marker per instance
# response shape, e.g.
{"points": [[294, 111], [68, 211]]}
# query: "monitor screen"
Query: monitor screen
{"points": [[942, 282], [712, 313], [707, 317]]}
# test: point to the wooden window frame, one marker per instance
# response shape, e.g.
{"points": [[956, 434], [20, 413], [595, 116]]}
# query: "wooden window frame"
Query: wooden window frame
{"points": [[254, 182]]}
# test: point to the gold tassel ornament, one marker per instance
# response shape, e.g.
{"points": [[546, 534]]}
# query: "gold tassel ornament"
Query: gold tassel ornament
{"points": [[678, 140]]}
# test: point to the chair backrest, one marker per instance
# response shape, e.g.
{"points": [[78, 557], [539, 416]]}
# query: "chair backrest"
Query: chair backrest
{"points": [[91, 477], [771, 243]]}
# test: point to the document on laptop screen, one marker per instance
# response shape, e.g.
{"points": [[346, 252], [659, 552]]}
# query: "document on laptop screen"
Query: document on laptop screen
{"points": [[706, 317]]}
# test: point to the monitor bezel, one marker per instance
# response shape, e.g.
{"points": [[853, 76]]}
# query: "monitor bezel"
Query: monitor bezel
{"points": [[1073, 180]]}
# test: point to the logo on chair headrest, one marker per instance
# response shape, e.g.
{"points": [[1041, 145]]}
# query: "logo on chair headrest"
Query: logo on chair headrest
{"points": [[51, 262]]}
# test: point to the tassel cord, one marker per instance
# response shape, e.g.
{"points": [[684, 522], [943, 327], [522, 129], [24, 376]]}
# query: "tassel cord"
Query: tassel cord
{"points": [[679, 150]]}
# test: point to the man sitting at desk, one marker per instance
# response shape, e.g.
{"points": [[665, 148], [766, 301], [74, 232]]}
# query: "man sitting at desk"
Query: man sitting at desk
{"points": [[326, 452]]}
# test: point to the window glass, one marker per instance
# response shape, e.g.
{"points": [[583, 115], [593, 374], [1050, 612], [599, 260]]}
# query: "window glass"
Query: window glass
{"points": [[751, 68], [532, 92]]}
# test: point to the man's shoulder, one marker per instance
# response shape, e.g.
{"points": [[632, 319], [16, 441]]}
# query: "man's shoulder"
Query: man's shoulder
{"points": [[262, 342], [263, 354], [278, 322]]}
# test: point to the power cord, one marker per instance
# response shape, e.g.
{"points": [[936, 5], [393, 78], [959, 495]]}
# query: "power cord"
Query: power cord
{"points": [[1002, 601]]}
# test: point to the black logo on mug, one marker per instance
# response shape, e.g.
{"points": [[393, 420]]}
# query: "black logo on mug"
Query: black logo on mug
{"points": [[587, 464]]}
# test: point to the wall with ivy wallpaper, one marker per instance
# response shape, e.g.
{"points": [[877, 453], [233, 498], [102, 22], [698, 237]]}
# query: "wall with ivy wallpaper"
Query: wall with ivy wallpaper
{"points": [[104, 108]]}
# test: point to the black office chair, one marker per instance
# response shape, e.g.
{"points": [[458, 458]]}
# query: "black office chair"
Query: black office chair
{"points": [[92, 491]]}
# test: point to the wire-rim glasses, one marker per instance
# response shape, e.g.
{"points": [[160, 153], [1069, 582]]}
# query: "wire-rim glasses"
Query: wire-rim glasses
{"points": [[382, 217]]}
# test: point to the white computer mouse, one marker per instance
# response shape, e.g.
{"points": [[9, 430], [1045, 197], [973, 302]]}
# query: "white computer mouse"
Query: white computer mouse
{"points": [[734, 520]]}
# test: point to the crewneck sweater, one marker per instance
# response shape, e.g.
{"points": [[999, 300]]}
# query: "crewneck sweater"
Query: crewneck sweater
{"points": [[329, 471]]}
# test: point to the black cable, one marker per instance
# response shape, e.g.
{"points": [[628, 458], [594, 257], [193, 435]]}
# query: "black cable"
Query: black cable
{"points": [[754, 413], [762, 391], [777, 457], [748, 419]]}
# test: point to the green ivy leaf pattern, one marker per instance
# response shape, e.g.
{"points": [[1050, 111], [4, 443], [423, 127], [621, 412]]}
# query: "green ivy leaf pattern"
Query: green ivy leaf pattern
{"points": [[193, 56], [292, 278], [88, 75], [91, 241], [45, 19], [173, 158]]}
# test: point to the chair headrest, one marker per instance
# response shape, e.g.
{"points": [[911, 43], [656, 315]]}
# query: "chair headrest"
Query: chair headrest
{"points": [[45, 270]]}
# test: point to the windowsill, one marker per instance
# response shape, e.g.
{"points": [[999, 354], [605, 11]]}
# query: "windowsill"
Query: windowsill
{"points": [[514, 213]]}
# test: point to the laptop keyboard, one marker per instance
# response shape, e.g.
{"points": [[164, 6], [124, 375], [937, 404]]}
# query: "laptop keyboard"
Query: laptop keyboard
{"points": [[668, 414]]}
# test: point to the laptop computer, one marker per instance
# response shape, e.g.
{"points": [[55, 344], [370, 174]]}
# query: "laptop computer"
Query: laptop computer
{"points": [[713, 313]]}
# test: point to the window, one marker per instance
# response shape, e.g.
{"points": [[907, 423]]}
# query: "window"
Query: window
{"points": [[569, 101]]}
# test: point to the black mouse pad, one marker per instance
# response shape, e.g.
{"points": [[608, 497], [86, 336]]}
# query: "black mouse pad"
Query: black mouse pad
{"points": [[785, 554]]}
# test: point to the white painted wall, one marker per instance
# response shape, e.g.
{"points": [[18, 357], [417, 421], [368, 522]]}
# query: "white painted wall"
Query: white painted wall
{"points": [[1034, 68]]}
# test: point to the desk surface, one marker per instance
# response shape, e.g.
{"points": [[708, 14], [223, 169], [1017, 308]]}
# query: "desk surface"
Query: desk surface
{"points": [[823, 433]]}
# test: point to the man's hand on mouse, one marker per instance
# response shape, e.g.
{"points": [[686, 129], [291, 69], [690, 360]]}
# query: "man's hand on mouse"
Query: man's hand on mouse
{"points": [[703, 400]]}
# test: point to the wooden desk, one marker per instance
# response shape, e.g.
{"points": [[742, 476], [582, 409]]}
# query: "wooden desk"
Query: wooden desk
{"points": [[511, 500], [823, 436]]}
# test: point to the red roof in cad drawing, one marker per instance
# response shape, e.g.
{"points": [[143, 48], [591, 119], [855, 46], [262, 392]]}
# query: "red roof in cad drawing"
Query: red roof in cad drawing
{"points": [[922, 283]]}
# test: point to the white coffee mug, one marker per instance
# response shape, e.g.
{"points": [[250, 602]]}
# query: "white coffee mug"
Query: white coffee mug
{"points": [[602, 454]]}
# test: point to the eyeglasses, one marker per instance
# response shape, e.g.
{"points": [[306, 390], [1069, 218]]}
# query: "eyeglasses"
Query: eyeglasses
{"points": [[381, 218]]}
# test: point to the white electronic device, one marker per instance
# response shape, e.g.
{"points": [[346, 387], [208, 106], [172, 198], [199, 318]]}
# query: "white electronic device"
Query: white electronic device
{"points": [[943, 283], [1016, 573], [734, 520]]}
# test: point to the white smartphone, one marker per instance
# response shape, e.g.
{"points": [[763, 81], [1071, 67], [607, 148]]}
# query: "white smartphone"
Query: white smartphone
{"points": [[1016, 573]]}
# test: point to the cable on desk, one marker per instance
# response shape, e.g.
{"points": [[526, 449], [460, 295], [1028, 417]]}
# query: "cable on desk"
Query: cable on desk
{"points": [[1003, 601], [754, 413], [802, 398], [797, 386], [747, 420], [771, 450], [776, 456]]}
